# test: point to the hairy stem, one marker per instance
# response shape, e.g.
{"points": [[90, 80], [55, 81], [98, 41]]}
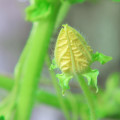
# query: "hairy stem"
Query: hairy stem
{"points": [[87, 95]]}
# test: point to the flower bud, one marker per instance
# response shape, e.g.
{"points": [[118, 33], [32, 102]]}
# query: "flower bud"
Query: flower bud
{"points": [[72, 54]]}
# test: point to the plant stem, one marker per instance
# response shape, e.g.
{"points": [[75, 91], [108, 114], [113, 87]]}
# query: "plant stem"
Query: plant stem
{"points": [[40, 37], [41, 95], [74, 106], [62, 13], [87, 95]]}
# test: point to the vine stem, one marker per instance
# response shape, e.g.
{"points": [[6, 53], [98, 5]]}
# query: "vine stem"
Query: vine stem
{"points": [[87, 95]]}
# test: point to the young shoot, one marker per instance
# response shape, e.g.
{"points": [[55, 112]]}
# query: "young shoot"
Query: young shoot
{"points": [[74, 56]]}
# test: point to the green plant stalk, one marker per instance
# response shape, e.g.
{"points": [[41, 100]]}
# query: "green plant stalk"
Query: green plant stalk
{"points": [[17, 73], [62, 13], [33, 64], [74, 106], [58, 91], [87, 94], [41, 95]]}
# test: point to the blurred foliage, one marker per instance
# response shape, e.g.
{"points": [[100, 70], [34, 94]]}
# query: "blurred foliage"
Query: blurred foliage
{"points": [[38, 10], [46, 16], [2, 118], [76, 1]]}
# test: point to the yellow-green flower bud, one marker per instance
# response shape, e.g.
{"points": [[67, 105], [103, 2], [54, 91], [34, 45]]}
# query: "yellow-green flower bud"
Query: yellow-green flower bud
{"points": [[72, 54]]}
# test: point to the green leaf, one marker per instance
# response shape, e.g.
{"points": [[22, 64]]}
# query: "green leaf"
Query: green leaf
{"points": [[92, 78], [101, 58], [76, 1], [53, 65], [41, 9], [64, 81]]}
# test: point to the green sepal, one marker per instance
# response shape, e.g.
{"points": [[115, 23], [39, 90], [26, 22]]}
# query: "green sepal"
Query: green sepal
{"points": [[53, 65], [64, 81], [101, 58], [92, 78], [40, 9]]}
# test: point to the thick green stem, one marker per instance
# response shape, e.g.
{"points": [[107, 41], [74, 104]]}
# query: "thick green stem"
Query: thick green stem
{"points": [[88, 95], [41, 95], [40, 37]]}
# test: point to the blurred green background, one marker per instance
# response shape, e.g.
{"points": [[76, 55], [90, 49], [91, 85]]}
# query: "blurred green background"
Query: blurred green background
{"points": [[99, 22]]}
